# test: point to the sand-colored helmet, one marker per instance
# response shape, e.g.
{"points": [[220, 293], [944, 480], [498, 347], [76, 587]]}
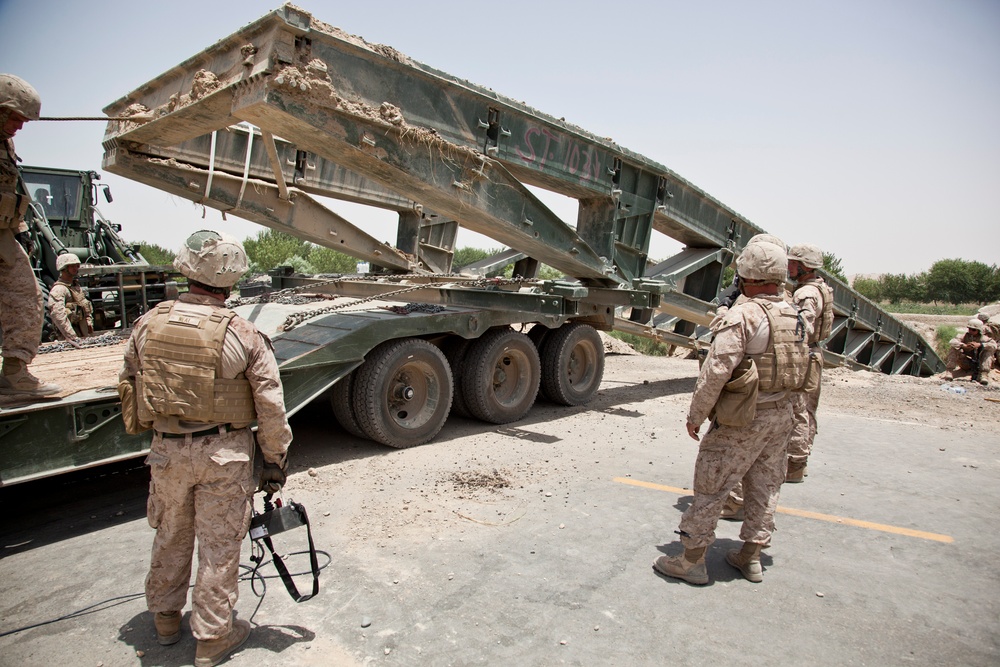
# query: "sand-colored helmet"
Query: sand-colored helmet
{"points": [[763, 261], [807, 254], [66, 259], [212, 258], [975, 324], [983, 317], [16, 94], [767, 238]]}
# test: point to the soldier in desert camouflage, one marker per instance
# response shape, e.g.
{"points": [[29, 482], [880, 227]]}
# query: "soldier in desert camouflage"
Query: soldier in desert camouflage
{"points": [[814, 299], [199, 375], [759, 355], [20, 298], [70, 310]]}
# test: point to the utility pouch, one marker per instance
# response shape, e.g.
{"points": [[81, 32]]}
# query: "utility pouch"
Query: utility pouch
{"points": [[814, 372], [12, 209], [130, 409], [737, 404]]}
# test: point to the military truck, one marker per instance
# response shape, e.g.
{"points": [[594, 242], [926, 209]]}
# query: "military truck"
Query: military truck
{"points": [[288, 108], [63, 217]]}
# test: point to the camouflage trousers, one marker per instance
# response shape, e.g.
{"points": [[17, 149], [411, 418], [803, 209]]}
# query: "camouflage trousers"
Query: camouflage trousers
{"points": [[960, 366], [20, 301], [200, 488], [804, 430], [755, 454]]}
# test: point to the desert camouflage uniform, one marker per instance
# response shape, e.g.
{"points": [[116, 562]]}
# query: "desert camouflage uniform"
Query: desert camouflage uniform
{"points": [[202, 485], [20, 296], [809, 299], [755, 454], [70, 310], [958, 364]]}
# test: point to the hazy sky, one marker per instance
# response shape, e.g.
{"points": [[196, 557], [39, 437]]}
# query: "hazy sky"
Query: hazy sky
{"points": [[871, 128]]}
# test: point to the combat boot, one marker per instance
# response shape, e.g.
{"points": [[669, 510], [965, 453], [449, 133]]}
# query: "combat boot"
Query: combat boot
{"points": [[796, 473], [15, 380], [747, 561], [689, 566], [168, 627], [211, 652], [732, 510]]}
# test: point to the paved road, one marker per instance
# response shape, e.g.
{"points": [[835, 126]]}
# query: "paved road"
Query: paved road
{"points": [[531, 544]]}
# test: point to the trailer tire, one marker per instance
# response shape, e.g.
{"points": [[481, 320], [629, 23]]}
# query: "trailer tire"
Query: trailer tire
{"points": [[501, 376], [456, 351], [343, 405], [402, 393], [572, 364]]}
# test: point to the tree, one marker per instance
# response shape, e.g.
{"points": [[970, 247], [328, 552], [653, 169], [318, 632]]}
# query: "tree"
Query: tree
{"points": [[952, 280], [327, 260], [870, 288], [272, 248], [833, 266], [156, 255]]}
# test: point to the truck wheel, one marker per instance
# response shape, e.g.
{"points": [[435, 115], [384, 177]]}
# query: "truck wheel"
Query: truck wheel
{"points": [[343, 405], [456, 352], [572, 364], [501, 376], [402, 393]]}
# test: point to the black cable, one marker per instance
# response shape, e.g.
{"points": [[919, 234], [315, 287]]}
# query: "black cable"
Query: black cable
{"points": [[122, 599]]}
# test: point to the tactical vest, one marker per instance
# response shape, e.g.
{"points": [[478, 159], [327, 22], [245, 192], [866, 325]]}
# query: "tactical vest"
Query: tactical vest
{"points": [[824, 322], [783, 365], [13, 204], [76, 305], [182, 368]]}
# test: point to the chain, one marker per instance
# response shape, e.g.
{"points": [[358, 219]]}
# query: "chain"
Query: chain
{"points": [[106, 339], [295, 319]]}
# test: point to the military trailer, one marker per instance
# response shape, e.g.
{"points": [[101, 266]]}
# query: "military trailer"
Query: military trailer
{"points": [[289, 109]]}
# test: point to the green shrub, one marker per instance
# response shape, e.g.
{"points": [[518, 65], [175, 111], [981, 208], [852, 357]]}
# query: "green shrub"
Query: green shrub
{"points": [[968, 309], [641, 345], [942, 337]]}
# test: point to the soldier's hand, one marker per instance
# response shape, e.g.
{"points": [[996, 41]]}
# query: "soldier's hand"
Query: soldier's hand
{"points": [[24, 238], [75, 342], [693, 430], [272, 477]]}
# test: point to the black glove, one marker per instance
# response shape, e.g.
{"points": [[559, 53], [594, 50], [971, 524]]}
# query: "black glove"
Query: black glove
{"points": [[24, 238], [272, 477]]}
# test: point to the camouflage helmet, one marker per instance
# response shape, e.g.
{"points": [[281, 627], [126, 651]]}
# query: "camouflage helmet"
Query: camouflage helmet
{"points": [[766, 262], [212, 258], [768, 238], [975, 324], [66, 259], [807, 254], [983, 316], [17, 95]]}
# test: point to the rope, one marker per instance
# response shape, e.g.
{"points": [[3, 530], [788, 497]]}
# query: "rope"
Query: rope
{"points": [[246, 169], [211, 172], [103, 119]]}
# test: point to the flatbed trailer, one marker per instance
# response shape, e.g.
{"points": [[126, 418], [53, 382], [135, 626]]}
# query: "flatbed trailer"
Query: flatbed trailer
{"points": [[289, 108]]}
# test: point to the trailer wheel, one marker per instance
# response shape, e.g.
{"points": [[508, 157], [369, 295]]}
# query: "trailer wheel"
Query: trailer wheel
{"points": [[343, 405], [572, 364], [501, 376], [456, 352], [402, 393]]}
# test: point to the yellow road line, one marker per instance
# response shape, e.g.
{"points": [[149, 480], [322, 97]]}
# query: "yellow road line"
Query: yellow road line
{"points": [[810, 515]]}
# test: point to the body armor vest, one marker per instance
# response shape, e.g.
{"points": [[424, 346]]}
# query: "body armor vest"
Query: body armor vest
{"points": [[181, 372], [824, 322], [783, 365]]}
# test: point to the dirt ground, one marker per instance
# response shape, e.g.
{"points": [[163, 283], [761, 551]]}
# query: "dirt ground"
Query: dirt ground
{"points": [[530, 543]]}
